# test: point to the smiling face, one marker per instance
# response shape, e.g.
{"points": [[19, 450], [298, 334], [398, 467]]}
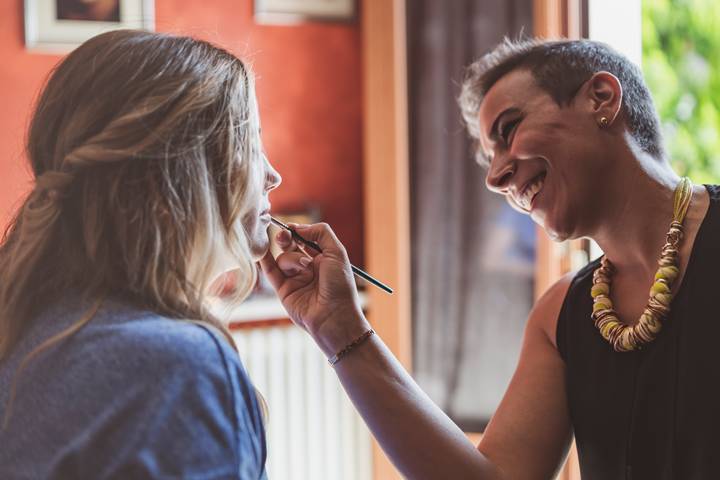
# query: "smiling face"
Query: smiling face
{"points": [[548, 160]]}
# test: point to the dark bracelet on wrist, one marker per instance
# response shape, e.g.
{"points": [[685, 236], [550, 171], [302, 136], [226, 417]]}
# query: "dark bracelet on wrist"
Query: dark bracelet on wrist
{"points": [[338, 356]]}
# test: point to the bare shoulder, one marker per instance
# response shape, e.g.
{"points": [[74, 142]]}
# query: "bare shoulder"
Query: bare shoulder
{"points": [[545, 313]]}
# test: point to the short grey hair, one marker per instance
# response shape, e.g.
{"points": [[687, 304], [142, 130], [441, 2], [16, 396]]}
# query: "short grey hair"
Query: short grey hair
{"points": [[560, 67]]}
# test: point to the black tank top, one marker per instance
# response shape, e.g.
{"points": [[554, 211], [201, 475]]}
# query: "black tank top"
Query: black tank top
{"points": [[652, 413]]}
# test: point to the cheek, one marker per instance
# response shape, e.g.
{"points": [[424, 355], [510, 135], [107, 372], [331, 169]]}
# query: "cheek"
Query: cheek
{"points": [[247, 226], [545, 134], [256, 232], [253, 225], [532, 143]]}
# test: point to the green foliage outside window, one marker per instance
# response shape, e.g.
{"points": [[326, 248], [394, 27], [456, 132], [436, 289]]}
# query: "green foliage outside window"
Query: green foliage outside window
{"points": [[681, 62]]}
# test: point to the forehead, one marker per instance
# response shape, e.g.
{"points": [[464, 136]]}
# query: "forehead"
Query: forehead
{"points": [[517, 89]]}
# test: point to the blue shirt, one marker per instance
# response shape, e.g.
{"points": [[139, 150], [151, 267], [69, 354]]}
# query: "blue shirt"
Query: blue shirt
{"points": [[130, 395]]}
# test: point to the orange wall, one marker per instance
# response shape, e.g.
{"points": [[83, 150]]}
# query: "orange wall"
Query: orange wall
{"points": [[308, 86]]}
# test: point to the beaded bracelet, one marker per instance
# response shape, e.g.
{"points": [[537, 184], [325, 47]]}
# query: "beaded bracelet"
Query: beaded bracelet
{"points": [[338, 356]]}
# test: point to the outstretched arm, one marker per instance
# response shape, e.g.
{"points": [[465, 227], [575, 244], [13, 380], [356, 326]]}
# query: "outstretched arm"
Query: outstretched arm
{"points": [[528, 436]]}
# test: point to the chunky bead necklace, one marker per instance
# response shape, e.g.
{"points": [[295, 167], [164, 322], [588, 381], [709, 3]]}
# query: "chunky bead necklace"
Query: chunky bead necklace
{"points": [[623, 337]]}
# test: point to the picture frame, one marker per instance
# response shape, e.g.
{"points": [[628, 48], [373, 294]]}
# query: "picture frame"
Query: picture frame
{"points": [[58, 26], [295, 11]]}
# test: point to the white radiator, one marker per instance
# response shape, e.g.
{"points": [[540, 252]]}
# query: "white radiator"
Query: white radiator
{"points": [[313, 430]]}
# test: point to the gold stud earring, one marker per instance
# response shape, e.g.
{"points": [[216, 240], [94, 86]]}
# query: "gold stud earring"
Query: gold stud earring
{"points": [[604, 122]]}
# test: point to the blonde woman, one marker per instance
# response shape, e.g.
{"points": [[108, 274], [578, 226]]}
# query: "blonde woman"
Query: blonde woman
{"points": [[150, 182]]}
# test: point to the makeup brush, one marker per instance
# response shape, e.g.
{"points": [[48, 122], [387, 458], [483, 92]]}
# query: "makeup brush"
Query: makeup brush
{"points": [[360, 273]]}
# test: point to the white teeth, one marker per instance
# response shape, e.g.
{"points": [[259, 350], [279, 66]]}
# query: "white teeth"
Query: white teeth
{"points": [[525, 200]]}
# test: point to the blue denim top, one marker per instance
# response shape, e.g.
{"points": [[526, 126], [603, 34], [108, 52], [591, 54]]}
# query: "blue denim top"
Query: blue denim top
{"points": [[130, 395]]}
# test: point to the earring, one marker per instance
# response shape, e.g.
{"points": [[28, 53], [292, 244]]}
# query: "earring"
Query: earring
{"points": [[604, 122]]}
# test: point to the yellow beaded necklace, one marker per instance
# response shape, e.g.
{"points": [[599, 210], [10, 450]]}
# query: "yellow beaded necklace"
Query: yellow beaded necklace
{"points": [[625, 338]]}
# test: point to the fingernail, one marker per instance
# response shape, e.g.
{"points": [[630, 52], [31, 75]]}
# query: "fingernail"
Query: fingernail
{"points": [[283, 238], [305, 261]]}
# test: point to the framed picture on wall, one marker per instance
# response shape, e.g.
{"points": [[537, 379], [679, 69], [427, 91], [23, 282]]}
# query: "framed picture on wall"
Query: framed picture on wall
{"points": [[61, 25], [292, 11]]}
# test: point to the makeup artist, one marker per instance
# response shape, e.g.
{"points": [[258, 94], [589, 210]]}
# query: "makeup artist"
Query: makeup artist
{"points": [[622, 355]]}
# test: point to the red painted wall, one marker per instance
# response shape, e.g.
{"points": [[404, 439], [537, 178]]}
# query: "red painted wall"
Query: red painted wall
{"points": [[308, 86]]}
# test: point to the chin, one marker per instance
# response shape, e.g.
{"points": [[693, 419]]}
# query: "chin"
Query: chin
{"points": [[556, 236], [258, 251], [259, 242], [558, 231]]}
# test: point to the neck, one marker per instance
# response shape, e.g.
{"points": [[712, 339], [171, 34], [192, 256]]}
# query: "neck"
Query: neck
{"points": [[638, 214]]}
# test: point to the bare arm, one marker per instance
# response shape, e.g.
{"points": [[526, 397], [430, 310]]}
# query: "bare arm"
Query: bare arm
{"points": [[530, 432], [529, 435], [417, 436]]}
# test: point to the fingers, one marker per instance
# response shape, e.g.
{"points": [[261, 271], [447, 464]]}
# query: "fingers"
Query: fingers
{"points": [[292, 263], [285, 241], [286, 265], [322, 234]]}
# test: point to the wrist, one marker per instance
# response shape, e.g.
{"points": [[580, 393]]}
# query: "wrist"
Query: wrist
{"points": [[350, 347], [339, 330]]}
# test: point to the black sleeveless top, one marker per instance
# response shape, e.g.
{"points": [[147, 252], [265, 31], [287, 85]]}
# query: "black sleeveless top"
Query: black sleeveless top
{"points": [[652, 413]]}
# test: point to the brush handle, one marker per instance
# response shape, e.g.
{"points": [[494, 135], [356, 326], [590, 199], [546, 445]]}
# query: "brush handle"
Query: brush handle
{"points": [[369, 278], [296, 236], [357, 271]]}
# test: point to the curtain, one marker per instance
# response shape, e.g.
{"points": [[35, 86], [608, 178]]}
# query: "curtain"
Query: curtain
{"points": [[472, 255]]}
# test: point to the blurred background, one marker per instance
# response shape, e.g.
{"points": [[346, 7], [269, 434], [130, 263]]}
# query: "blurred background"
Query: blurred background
{"points": [[357, 100]]}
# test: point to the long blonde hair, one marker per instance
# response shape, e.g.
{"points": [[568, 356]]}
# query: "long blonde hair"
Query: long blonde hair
{"points": [[146, 154]]}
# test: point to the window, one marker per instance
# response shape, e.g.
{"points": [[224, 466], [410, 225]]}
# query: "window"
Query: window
{"points": [[681, 62]]}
